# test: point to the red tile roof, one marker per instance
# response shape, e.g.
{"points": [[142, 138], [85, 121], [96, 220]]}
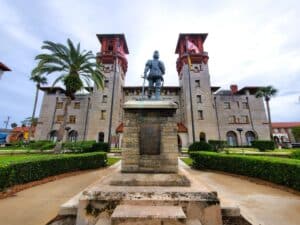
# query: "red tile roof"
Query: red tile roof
{"points": [[181, 128], [22, 129], [285, 124], [120, 128]]}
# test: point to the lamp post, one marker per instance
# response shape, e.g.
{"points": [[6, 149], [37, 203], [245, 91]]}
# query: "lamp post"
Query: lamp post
{"points": [[241, 142]]}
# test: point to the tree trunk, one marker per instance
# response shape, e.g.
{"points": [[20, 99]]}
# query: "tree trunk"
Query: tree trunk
{"points": [[34, 109], [269, 118], [61, 131]]}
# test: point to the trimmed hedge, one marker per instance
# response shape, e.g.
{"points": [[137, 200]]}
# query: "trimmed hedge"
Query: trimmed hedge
{"points": [[41, 145], [79, 147], [200, 146], [37, 168], [277, 170], [86, 146], [295, 154], [217, 145], [263, 145], [100, 146]]}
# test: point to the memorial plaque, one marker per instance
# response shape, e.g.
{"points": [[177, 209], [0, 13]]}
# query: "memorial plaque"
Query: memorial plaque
{"points": [[150, 139]]}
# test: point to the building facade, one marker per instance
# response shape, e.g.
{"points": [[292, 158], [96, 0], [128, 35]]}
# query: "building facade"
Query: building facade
{"points": [[204, 112]]}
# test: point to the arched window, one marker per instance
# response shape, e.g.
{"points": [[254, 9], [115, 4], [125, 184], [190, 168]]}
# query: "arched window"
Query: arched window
{"points": [[250, 136], [231, 138], [202, 136], [53, 136], [101, 137], [73, 135]]}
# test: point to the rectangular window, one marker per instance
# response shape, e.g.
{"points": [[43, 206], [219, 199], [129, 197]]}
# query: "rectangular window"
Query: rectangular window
{"points": [[59, 118], [59, 105], [104, 99], [72, 119], [77, 105], [197, 83], [226, 105], [238, 104], [245, 105], [103, 115], [232, 119], [200, 114], [199, 99], [244, 119]]}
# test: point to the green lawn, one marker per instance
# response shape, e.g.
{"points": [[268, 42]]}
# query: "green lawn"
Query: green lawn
{"points": [[7, 159], [112, 160], [187, 161]]}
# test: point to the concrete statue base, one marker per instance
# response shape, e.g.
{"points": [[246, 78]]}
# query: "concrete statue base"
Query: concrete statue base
{"points": [[150, 137]]}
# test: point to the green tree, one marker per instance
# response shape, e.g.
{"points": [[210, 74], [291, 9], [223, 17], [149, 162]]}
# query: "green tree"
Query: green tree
{"points": [[13, 125], [267, 93], [38, 80], [74, 67], [296, 133]]}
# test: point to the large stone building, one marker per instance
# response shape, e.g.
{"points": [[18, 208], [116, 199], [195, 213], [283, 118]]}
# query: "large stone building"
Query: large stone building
{"points": [[204, 112]]}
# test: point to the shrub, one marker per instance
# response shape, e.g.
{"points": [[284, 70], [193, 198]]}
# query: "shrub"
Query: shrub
{"points": [[295, 154], [100, 146], [263, 145], [200, 146], [277, 170], [296, 133], [217, 144], [47, 146], [41, 145], [34, 169], [79, 147]]}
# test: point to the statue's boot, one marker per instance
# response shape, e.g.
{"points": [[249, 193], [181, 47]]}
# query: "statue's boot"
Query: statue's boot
{"points": [[157, 93]]}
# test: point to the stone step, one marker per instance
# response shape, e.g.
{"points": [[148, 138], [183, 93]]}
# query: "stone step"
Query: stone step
{"points": [[103, 221], [229, 208], [193, 222], [148, 215]]}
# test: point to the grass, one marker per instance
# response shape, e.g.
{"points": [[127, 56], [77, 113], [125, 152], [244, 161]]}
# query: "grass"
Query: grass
{"points": [[7, 159], [187, 161], [112, 160]]}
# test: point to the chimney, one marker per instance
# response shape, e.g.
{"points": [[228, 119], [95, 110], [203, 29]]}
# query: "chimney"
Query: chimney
{"points": [[234, 89]]}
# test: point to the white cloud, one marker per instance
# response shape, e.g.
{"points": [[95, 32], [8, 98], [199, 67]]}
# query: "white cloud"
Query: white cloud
{"points": [[249, 42], [12, 25]]}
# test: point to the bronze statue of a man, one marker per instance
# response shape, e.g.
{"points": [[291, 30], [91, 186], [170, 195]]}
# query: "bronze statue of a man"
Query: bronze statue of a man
{"points": [[156, 70]]}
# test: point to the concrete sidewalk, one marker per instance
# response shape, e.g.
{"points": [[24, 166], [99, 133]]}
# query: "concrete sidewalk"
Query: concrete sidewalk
{"points": [[259, 203], [39, 204]]}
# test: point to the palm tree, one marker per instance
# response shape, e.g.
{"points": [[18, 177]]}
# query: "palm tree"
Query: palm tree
{"points": [[38, 80], [267, 93], [75, 67]]}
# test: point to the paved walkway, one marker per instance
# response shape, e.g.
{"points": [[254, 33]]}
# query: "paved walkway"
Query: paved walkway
{"points": [[262, 204], [39, 204]]}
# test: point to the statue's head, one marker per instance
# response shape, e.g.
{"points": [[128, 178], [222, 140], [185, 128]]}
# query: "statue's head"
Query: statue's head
{"points": [[156, 55]]}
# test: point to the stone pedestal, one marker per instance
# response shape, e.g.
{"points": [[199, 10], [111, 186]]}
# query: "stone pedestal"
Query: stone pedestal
{"points": [[150, 137]]}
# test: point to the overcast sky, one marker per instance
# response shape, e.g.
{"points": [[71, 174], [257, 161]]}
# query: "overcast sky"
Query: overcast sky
{"points": [[249, 42]]}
